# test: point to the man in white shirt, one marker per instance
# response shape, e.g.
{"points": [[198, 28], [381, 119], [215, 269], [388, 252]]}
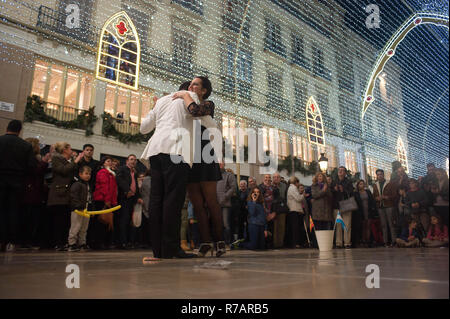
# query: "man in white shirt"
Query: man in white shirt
{"points": [[170, 162]]}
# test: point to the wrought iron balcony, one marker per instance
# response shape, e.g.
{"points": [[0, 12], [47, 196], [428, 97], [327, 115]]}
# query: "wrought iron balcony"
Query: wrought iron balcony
{"points": [[55, 21]]}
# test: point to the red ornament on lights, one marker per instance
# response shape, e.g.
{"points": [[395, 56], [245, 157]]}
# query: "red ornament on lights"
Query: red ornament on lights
{"points": [[390, 52], [121, 28], [418, 21]]}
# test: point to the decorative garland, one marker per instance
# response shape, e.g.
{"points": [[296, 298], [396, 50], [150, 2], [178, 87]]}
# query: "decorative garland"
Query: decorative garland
{"points": [[34, 111], [109, 129], [299, 166]]}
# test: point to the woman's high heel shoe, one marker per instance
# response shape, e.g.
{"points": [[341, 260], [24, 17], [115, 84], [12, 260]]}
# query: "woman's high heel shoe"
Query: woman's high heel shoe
{"points": [[204, 248], [221, 248]]}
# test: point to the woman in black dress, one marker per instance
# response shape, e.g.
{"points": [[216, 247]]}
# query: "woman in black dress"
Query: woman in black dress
{"points": [[203, 176]]}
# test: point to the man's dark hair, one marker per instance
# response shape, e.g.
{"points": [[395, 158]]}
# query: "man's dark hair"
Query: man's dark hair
{"points": [[431, 165], [184, 86], [87, 145], [130, 156], [206, 84], [379, 170], [345, 168], [15, 126]]}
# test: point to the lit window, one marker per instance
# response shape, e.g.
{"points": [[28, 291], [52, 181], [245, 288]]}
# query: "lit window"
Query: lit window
{"points": [[314, 123], [85, 92], [70, 98], [228, 130], [283, 144], [128, 106], [39, 78], [54, 90], [401, 154], [297, 146], [372, 168], [308, 152], [119, 52], [331, 155], [350, 161]]}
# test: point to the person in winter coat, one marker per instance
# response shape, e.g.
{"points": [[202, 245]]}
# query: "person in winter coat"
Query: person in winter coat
{"points": [[321, 209], [296, 215], [105, 196], [64, 166], [367, 210]]}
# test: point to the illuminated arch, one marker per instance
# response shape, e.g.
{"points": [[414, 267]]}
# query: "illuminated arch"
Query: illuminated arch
{"points": [[401, 153], [119, 52], [389, 50], [314, 123]]}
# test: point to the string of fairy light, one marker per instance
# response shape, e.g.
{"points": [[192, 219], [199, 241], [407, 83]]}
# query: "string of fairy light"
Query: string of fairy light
{"points": [[343, 50]]}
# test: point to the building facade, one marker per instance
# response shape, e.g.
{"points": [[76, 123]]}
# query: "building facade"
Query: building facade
{"points": [[273, 64]]}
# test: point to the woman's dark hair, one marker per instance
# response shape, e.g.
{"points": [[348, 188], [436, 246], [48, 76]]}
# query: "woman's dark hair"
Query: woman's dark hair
{"points": [[104, 159], [439, 224], [260, 198], [357, 184], [206, 84], [184, 86]]}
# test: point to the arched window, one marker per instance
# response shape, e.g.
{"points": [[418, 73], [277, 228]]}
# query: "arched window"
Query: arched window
{"points": [[401, 153], [314, 123], [119, 52]]}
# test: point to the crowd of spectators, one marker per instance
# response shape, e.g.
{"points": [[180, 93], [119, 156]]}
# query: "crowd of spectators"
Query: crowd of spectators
{"points": [[41, 192]]}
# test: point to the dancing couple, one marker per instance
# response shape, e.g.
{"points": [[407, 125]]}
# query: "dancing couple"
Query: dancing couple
{"points": [[172, 173]]}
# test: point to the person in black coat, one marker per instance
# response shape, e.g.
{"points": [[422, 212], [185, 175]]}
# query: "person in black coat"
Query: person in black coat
{"points": [[16, 160], [367, 210], [128, 196]]}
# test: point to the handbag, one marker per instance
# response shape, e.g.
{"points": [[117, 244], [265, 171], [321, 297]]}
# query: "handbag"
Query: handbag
{"points": [[137, 215], [348, 205]]}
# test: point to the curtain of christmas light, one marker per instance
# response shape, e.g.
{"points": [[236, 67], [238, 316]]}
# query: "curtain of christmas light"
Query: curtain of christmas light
{"points": [[267, 58]]}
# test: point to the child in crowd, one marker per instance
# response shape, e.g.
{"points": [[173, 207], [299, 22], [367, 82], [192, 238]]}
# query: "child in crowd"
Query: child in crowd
{"points": [[409, 236], [416, 201], [437, 234], [80, 197], [257, 224], [194, 232]]}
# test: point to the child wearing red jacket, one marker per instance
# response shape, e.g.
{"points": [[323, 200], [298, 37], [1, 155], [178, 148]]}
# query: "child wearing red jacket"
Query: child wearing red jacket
{"points": [[105, 196], [437, 234]]}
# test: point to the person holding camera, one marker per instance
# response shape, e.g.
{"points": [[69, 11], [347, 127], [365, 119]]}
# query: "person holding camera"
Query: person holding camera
{"points": [[257, 223]]}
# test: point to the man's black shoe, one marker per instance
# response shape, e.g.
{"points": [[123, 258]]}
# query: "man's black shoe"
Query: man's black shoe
{"points": [[183, 254]]}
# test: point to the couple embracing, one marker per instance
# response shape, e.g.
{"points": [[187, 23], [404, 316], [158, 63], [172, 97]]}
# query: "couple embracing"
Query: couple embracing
{"points": [[173, 171]]}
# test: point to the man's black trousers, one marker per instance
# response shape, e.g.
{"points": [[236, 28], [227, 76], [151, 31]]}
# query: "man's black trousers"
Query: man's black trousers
{"points": [[167, 195]]}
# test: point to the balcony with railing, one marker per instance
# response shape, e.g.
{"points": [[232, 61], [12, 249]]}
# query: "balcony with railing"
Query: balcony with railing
{"points": [[55, 21], [126, 126], [61, 112]]}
